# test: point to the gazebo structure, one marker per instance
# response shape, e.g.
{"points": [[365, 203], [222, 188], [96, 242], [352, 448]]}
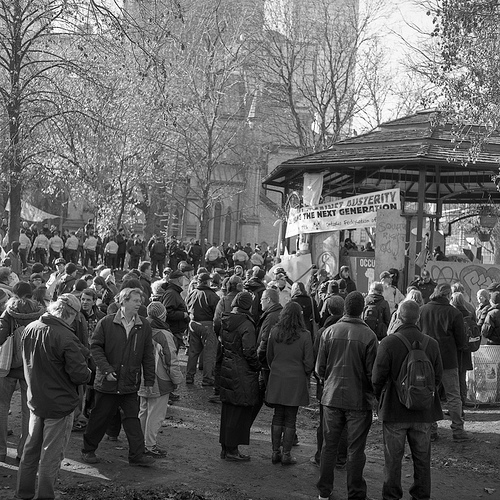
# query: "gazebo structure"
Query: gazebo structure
{"points": [[419, 154]]}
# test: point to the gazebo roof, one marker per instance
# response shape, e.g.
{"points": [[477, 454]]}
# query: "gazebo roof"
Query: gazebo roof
{"points": [[393, 155]]}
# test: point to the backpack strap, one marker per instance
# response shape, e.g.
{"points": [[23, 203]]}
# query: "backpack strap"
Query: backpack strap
{"points": [[403, 339], [406, 342]]}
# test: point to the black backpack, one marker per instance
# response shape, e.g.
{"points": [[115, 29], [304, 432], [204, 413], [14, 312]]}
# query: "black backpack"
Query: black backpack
{"points": [[372, 316], [415, 384], [473, 333]]}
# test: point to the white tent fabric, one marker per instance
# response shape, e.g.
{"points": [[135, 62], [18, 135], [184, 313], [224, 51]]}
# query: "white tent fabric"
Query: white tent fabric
{"points": [[31, 213]]}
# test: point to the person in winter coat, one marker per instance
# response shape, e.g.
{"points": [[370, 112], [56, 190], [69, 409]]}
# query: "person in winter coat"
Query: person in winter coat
{"points": [[377, 314], [239, 379], [154, 403], [414, 295], [68, 279], [201, 304], [121, 345], [256, 286], [399, 423], [491, 326], [20, 310], [158, 253], [465, 357], [55, 366], [392, 295], [483, 299], [309, 307], [15, 259], [335, 310], [177, 315], [291, 361], [233, 286], [441, 321]]}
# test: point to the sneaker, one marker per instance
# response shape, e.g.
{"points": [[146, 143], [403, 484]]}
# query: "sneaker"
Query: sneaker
{"points": [[462, 436], [144, 461], [174, 397], [155, 452], [89, 457]]}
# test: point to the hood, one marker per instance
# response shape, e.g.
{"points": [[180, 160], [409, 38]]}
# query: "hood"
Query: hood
{"points": [[254, 284], [24, 309], [231, 321], [373, 298], [67, 278]]}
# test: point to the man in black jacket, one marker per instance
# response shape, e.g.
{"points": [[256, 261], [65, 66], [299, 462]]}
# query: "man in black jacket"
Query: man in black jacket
{"points": [[201, 304], [121, 345], [441, 321], [400, 423], [177, 315], [346, 355]]}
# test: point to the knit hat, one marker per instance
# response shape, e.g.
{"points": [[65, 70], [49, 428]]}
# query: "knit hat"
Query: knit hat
{"points": [[176, 275], [22, 289], [203, 278], [259, 273], [354, 304], [37, 276], [70, 300], [70, 268], [37, 267], [79, 286], [243, 301], [157, 310]]}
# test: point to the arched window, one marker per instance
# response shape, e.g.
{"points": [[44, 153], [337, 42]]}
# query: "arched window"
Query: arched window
{"points": [[227, 228], [217, 223]]}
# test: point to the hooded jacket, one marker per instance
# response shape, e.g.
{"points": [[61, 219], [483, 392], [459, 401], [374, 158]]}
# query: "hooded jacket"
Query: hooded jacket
{"points": [[55, 365], [377, 300], [176, 309], [201, 303], [66, 284], [167, 369], [239, 376], [18, 312]]}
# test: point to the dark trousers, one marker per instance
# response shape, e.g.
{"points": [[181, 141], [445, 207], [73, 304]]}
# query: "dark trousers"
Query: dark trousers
{"points": [[358, 423], [23, 253], [120, 260], [90, 255], [157, 263], [53, 256], [419, 439], [106, 406], [285, 416], [342, 449], [72, 256]]}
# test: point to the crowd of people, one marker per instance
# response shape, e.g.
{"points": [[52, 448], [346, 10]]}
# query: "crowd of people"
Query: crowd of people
{"points": [[95, 354]]}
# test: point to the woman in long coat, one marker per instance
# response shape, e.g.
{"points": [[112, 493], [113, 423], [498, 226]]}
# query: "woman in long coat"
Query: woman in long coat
{"points": [[291, 361], [239, 377]]}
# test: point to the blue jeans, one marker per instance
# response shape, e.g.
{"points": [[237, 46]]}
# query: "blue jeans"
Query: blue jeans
{"points": [[43, 452], [358, 423], [7, 388], [419, 439]]}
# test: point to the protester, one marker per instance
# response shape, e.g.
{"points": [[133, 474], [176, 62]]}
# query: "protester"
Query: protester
{"points": [[55, 365], [154, 403], [239, 380], [346, 355], [290, 359], [119, 362], [399, 422]]}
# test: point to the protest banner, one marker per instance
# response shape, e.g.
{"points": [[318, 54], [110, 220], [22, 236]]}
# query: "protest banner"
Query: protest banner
{"points": [[349, 213]]}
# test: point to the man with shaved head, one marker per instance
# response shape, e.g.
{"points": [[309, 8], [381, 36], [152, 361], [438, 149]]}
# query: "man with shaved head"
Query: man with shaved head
{"points": [[399, 422]]}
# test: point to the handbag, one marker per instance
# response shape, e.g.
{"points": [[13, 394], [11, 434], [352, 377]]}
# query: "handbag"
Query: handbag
{"points": [[6, 350]]}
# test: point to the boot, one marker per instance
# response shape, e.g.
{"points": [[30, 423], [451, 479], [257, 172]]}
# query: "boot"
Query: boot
{"points": [[288, 437], [276, 432]]}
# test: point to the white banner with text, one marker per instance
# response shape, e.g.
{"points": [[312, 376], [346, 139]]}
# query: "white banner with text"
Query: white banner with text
{"points": [[348, 213]]}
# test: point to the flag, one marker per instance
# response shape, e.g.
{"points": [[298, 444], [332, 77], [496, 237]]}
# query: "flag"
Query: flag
{"points": [[312, 188]]}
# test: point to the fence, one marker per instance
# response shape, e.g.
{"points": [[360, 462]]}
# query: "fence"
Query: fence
{"points": [[483, 382]]}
